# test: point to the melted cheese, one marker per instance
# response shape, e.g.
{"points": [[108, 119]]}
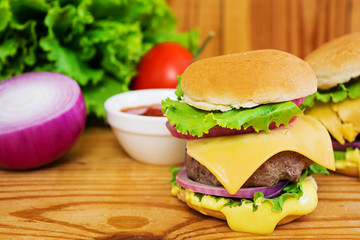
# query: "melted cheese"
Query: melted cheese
{"points": [[244, 219], [341, 119], [233, 159]]}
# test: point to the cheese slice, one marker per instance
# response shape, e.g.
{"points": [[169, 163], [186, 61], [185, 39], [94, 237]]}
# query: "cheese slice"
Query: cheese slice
{"points": [[341, 119], [349, 112], [324, 113], [233, 159], [349, 132]]}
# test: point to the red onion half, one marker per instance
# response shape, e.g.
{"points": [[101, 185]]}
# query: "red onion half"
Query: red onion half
{"points": [[41, 116], [269, 192], [342, 147]]}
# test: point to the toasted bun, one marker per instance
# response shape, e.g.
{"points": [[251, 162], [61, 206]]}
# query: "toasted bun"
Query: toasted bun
{"points": [[336, 61], [349, 171], [244, 80]]}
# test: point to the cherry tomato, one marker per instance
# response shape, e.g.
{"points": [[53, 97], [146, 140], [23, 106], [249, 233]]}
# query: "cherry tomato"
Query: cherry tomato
{"points": [[161, 65]]}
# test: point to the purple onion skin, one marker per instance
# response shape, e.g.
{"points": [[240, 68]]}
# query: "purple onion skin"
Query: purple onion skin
{"points": [[342, 147], [248, 193], [43, 143]]}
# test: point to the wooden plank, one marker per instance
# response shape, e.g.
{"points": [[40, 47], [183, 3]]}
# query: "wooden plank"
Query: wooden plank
{"points": [[280, 25], [97, 192], [338, 18], [332, 21], [203, 15], [260, 24], [295, 26], [235, 26], [309, 14], [354, 24]]}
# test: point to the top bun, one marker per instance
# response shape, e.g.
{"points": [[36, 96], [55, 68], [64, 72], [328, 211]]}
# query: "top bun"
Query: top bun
{"points": [[336, 61], [247, 79]]}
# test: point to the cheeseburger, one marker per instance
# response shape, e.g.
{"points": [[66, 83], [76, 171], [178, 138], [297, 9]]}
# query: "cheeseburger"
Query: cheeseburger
{"points": [[336, 104], [250, 151]]}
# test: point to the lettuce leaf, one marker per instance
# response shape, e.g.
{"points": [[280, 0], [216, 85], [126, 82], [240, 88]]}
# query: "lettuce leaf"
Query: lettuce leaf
{"points": [[93, 94], [196, 122], [98, 43], [179, 93], [341, 155], [336, 94], [317, 169], [173, 170]]}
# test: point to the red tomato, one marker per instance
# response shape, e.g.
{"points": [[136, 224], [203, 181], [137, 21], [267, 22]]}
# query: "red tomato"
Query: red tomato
{"points": [[161, 65]]}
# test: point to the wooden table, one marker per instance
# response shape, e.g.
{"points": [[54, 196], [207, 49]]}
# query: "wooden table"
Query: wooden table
{"points": [[97, 192]]}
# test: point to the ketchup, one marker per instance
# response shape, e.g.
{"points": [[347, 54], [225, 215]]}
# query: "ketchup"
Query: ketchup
{"points": [[153, 110]]}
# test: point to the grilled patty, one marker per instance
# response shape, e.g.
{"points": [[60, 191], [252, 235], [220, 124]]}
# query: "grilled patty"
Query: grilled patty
{"points": [[282, 166]]}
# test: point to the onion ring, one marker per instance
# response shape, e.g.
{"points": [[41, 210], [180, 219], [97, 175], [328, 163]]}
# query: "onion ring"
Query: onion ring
{"points": [[269, 192]]}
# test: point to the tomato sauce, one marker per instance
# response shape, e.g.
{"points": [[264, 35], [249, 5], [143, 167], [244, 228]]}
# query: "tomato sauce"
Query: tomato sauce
{"points": [[153, 110]]}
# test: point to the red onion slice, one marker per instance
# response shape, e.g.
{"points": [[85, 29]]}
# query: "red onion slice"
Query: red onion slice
{"points": [[342, 147], [298, 101], [41, 116], [269, 192]]}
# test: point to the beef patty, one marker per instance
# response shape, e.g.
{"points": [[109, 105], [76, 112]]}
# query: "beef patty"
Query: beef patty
{"points": [[282, 166]]}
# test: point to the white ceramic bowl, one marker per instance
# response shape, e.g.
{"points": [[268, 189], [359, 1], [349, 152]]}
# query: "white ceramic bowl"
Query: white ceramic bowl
{"points": [[145, 139]]}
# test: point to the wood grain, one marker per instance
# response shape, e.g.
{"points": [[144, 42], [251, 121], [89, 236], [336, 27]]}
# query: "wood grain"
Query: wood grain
{"points": [[235, 31], [203, 15], [295, 26], [97, 192]]}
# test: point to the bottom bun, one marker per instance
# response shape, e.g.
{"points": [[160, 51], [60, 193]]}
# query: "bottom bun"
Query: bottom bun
{"points": [[220, 215], [350, 164], [352, 171], [243, 217]]}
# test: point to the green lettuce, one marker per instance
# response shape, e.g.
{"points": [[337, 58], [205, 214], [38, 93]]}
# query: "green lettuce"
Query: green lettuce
{"points": [[336, 94], [341, 155], [317, 169], [98, 43], [196, 122], [173, 170], [292, 190]]}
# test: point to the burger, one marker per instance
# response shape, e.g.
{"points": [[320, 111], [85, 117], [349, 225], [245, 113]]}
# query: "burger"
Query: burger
{"points": [[336, 104], [250, 150]]}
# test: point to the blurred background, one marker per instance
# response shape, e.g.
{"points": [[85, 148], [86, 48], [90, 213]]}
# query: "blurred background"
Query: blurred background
{"points": [[295, 26], [112, 46]]}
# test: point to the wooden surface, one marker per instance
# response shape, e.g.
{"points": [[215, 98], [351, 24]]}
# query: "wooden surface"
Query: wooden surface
{"points": [[295, 26], [97, 192]]}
